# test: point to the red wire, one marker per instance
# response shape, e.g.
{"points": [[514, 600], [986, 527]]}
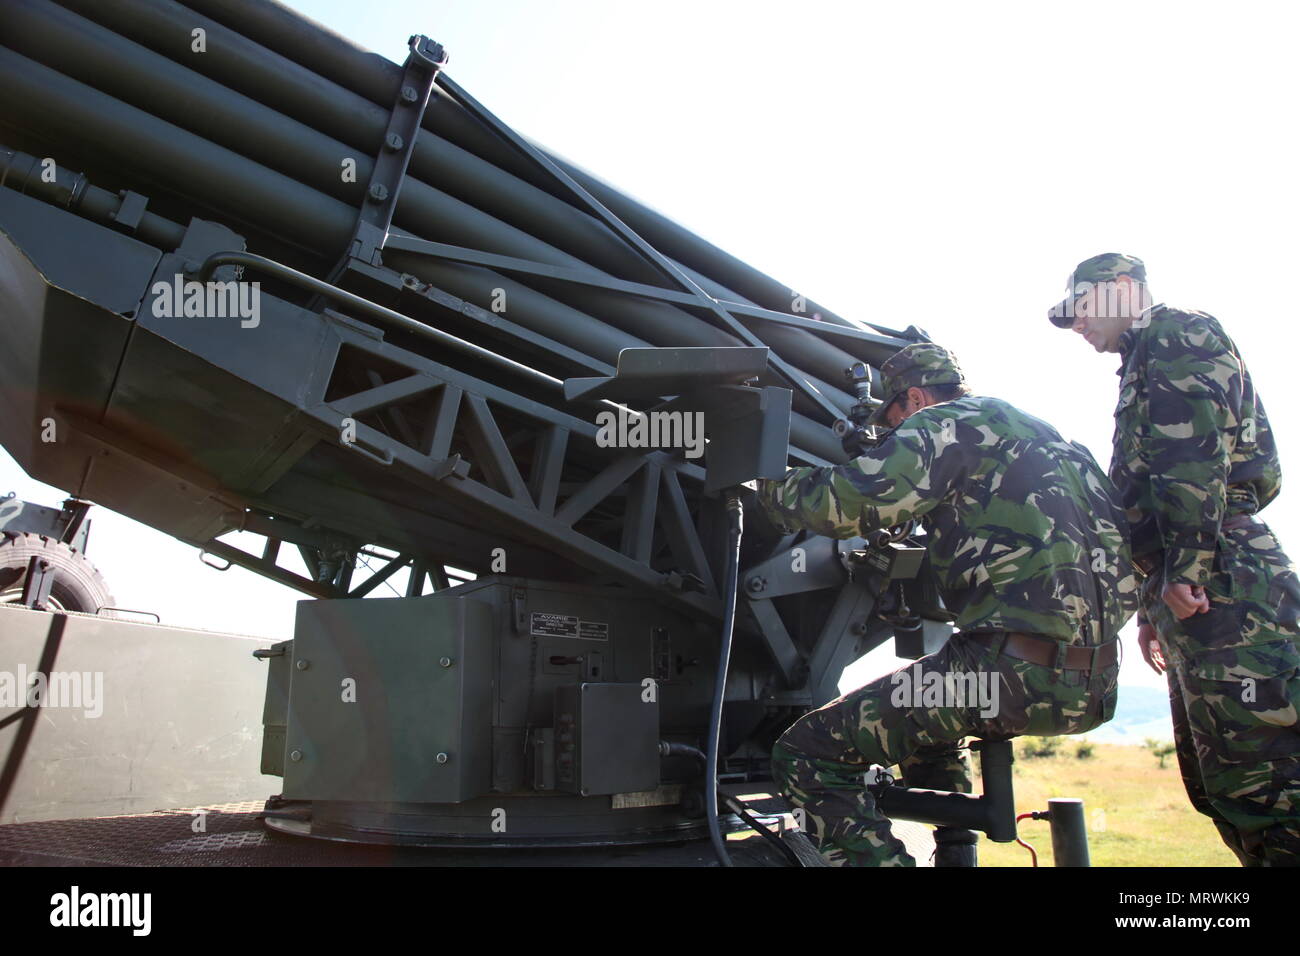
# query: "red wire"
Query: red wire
{"points": [[1032, 853]]}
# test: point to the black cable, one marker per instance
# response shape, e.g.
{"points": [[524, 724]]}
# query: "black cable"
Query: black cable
{"points": [[734, 804], [736, 526], [740, 810]]}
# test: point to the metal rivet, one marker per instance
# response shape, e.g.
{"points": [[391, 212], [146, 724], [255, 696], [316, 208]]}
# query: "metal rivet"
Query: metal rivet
{"points": [[441, 758], [409, 95], [303, 664], [378, 192], [296, 755], [394, 142], [445, 661]]}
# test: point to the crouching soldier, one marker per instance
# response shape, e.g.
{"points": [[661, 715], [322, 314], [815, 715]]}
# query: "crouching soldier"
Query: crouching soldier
{"points": [[1030, 551]]}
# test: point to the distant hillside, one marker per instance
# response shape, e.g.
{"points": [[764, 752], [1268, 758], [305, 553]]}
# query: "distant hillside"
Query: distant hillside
{"points": [[1142, 712]]}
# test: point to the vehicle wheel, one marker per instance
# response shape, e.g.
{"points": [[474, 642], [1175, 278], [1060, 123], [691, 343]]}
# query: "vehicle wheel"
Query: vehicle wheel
{"points": [[78, 585]]}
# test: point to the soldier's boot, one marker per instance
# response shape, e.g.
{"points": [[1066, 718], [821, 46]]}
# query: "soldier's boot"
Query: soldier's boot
{"points": [[839, 814], [954, 846]]}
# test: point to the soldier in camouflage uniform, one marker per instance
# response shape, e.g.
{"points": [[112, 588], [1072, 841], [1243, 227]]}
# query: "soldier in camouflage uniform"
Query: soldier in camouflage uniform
{"points": [[1030, 553], [1194, 460]]}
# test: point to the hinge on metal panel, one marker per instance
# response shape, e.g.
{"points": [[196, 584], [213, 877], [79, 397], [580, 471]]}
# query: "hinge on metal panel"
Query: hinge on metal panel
{"points": [[518, 601]]}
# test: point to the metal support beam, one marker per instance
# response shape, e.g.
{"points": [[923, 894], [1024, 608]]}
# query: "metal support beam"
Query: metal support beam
{"points": [[778, 642], [422, 65], [838, 641], [269, 569], [599, 280], [37, 584], [380, 576]]}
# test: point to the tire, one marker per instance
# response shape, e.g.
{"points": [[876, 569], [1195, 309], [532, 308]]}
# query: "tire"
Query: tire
{"points": [[78, 585]]}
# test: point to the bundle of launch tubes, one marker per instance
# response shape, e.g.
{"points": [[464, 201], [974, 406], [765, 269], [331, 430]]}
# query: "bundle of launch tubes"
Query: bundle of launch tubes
{"points": [[244, 112]]}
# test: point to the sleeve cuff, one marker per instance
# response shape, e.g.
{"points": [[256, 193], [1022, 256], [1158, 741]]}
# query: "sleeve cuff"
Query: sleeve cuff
{"points": [[769, 491], [1189, 565]]}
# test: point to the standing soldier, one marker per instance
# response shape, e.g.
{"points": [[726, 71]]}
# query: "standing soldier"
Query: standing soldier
{"points": [[1030, 552], [1193, 461]]}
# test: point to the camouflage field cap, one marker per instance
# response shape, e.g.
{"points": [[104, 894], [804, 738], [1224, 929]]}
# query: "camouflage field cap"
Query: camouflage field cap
{"points": [[1089, 272], [918, 365]]}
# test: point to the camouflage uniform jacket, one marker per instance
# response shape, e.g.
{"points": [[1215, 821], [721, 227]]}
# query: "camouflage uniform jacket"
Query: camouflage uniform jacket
{"points": [[1024, 532], [1192, 442]]}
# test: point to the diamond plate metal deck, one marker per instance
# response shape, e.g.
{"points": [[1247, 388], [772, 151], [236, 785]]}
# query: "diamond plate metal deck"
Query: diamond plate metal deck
{"points": [[233, 835]]}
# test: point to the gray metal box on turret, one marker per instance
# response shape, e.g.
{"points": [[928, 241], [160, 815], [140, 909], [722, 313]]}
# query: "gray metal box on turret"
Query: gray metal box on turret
{"points": [[606, 738], [390, 701]]}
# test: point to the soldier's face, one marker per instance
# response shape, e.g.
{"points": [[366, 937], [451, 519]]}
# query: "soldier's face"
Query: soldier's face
{"points": [[1098, 321], [903, 407], [894, 413]]}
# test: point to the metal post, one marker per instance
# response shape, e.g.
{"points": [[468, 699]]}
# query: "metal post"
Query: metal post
{"points": [[36, 588], [995, 770], [954, 846], [1069, 833]]}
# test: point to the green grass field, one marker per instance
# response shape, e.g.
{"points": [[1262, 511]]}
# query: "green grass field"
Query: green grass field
{"points": [[1138, 814]]}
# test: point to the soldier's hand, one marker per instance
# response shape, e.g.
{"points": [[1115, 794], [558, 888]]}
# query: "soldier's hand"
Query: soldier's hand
{"points": [[1186, 599], [1150, 647]]}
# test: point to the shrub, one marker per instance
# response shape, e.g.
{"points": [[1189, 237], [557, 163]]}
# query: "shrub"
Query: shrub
{"points": [[1160, 748], [1039, 746]]}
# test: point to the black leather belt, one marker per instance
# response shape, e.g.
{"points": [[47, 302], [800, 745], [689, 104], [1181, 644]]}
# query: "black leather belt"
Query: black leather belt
{"points": [[1043, 650]]}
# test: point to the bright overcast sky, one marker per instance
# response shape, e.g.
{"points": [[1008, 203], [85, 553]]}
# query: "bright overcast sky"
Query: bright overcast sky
{"points": [[941, 165]]}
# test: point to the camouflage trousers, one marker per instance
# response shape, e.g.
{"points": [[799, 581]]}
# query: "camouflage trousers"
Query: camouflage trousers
{"points": [[1234, 695], [822, 761]]}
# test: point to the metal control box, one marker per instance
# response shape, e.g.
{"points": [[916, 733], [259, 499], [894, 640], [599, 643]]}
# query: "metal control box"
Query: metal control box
{"points": [[606, 738]]}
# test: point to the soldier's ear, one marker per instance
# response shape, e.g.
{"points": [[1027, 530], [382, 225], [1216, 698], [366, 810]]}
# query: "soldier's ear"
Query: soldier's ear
{"points": [[918, 397]]}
